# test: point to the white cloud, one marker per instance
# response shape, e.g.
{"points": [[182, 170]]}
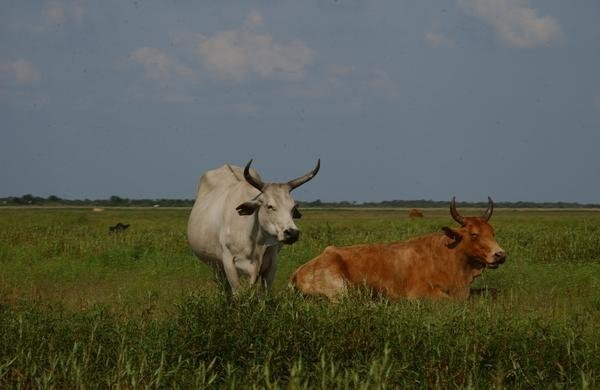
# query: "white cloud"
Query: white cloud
{"points": [[159, 67], [61, 12], [19, 72], [55, 15], [244, 53], [382, 84], [19, 81], [516, 25], [436, 39], [167, 78]]}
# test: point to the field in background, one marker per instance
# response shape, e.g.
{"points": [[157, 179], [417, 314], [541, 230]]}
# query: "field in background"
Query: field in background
{"points": [[80, 306]]}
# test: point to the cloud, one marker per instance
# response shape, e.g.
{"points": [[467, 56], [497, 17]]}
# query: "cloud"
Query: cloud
{"points": [[244, 53], [381, 84], [55, 15], [58, 13], [167, 79], [515, 25], [436, 39], [19, 81], [159, 67], [18, 72]]}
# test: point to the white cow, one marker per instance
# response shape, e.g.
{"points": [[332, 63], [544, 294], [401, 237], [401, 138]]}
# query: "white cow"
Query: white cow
{"points": [[239, 223]]}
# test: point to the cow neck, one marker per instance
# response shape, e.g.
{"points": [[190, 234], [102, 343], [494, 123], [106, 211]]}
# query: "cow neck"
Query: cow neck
{"points": [[470, 269], [465, 268]]}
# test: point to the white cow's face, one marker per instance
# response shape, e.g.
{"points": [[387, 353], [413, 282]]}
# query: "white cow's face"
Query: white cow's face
{"points": [[275, 209], [275, 206], [276, 213]]}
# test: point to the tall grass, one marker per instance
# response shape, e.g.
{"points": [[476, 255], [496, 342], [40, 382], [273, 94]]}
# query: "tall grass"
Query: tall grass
{"points": [[285, 340], [83, 308]]}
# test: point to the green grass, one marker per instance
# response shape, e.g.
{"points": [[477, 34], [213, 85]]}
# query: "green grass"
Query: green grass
{"points": [[80, 307]]}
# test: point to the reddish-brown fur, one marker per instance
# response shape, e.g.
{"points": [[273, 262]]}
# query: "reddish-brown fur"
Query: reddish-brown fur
{"points": [[415, 213], [436, 265]]}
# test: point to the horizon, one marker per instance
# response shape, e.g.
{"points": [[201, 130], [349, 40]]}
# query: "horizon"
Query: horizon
{"points": [[113, 200]]}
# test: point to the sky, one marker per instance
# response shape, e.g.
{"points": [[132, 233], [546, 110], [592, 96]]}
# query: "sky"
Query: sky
{"points": [[399, 99]]}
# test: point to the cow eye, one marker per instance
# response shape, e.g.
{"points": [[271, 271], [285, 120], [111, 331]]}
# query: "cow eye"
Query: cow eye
{"points": [[295, 213], [271, 207]]}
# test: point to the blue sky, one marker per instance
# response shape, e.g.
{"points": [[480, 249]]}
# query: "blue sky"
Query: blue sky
{"points": [[399, 99]]}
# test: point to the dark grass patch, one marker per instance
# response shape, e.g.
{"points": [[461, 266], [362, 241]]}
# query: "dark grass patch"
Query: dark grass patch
{"points": [[284, 339]]}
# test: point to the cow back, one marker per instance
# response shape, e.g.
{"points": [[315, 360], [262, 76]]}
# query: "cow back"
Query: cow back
{"points": [[222, 178]]}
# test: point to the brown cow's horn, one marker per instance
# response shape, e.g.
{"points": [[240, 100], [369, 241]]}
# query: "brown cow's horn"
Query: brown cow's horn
{"points": [[303, 179], [254, 182], [488, 213], [457, 217]]}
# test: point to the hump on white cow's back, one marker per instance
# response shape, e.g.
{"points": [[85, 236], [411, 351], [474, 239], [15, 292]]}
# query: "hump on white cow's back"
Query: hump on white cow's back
{"points": [[221, 177]]}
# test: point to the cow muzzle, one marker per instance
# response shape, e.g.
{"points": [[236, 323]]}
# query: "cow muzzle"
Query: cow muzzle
{"points": [[290, 236], [498, 258]]}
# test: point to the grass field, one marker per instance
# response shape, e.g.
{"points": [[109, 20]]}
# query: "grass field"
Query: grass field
{"points": [[80, 307]]}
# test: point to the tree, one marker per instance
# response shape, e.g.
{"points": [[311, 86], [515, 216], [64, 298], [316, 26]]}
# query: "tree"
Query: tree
{"points": [[116, 199], [27, 199], [54, 198]]}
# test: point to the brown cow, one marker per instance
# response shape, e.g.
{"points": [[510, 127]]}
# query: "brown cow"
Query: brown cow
{"points": [[438, 265], [415, 213]]}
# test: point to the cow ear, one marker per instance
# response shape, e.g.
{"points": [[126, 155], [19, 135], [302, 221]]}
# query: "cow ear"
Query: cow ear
{"points": [[296, 214], [247, 208], [453, 234]]}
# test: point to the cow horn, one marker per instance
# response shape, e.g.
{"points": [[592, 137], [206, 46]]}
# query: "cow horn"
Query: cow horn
{"points": [[457, 217], [254, 182], [303, 179], [488, 213]]}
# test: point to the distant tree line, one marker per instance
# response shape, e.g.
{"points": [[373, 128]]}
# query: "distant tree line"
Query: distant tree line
{"points": [[117, 201], [423, 203], [113, 201]]}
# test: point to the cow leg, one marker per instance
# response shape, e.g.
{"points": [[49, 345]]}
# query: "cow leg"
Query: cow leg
{"points": [[231, 272], [247, 267], [270, 266], [326, 275], [425, 288], [334, 288], [254, 275], [439, 293], [221, 279]]}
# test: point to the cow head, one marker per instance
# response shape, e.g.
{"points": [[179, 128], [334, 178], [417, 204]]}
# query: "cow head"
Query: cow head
{"points": [[275, 206], [475, 237]]}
